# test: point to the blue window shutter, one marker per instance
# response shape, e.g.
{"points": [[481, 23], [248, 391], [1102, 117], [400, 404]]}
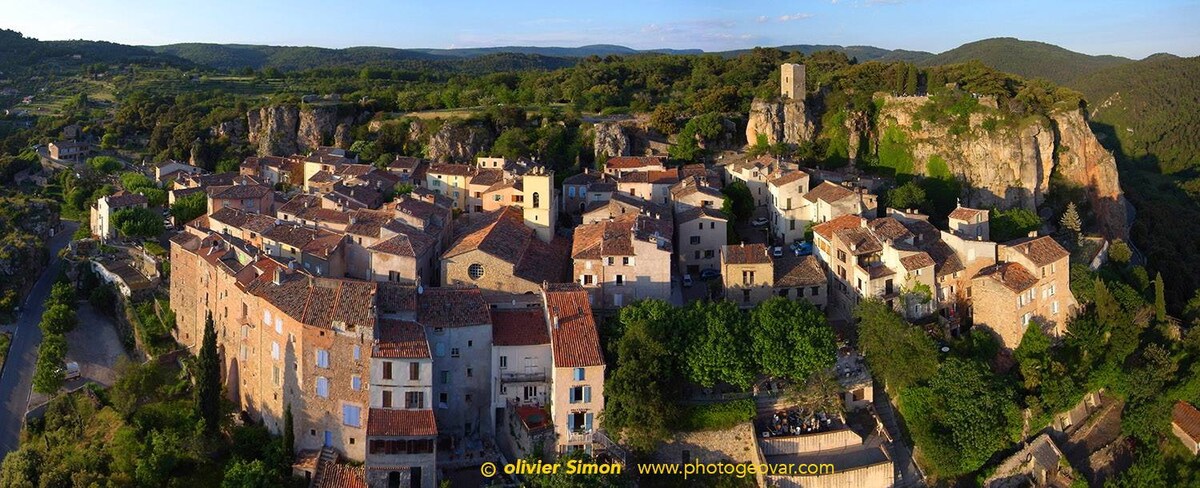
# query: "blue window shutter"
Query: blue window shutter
{"points": [[587, 421], [587, 394]]}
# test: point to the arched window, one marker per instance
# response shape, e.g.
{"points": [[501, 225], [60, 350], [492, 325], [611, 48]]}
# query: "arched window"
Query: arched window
{"points": [[537, 199]]}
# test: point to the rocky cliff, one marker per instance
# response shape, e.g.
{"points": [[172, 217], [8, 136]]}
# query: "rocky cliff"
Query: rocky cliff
{"points": [[788, 121], [458, 142], [610, 139], [282, 130], [1004, 165]]}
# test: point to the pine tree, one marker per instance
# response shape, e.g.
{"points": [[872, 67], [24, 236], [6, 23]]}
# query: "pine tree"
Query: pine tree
{"points": [[208, 389], [1160, 300], [1071, 221], [289, 436]]}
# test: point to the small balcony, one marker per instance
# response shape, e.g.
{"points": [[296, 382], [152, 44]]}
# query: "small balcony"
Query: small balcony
{"points": [[535, 375]]}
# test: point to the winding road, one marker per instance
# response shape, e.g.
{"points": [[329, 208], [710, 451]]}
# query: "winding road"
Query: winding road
{"points": [[16, 380]]}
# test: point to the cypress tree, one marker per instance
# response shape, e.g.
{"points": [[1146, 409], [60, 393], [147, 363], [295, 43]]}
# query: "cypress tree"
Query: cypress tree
{"points": [[208, 389], [289, 436], [1071, 221], [1160, 299]]}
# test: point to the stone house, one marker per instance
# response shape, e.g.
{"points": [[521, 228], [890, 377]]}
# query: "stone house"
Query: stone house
{"points": [[623, 259], [501, 255], [621, 204], [521, 360], [164, 171], [451, 180], [401, 428], [1030, 281], [458, 327], [69, 150], [1185, 424], [701, 232], [582, 190], [801, 278], [410, 170], [747, 273], [618, 166], [478, 184], [654, 186], [692, 192], [101, 212], [787, 212], [828, 201], [247, 197], [578, 373], [879, 259], [754, 173]]}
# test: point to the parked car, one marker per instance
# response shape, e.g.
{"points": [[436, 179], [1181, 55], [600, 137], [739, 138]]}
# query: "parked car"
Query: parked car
{"points": [[687, 280], [759, 222], [70, 370], [802, 248], [777, 251], [708, 274]]}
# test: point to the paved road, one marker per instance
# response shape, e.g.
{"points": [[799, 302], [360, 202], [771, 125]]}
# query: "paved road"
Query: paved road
{"points": [[17, 378], [906, 468]]}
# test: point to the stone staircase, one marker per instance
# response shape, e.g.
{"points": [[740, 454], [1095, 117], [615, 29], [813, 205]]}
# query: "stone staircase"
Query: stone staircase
{"points": [[328, 456]]}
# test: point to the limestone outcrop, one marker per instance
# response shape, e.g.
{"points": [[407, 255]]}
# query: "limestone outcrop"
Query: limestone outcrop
{"points": [[788, 121], [1009, 166], [610, 139], [459, 142], [282, 130]]}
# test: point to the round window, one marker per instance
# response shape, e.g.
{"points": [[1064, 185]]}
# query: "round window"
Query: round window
{"points": [[475, 271]]}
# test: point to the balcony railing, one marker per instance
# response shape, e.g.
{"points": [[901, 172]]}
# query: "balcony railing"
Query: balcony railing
{"points": [[523, 376]]}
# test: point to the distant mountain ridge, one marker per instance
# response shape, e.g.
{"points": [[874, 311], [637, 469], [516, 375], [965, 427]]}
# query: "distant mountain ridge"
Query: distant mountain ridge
{"points": [[1029, 59]]}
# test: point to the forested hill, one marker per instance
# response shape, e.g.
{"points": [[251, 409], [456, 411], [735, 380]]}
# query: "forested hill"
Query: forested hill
{"points": [[1153, 107], [1029, 59], [18, 51], [859, 53]]}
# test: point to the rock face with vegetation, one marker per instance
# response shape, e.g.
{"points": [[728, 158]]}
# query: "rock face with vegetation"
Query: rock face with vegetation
{"points": [[459, 141], [611, 139], [1002, 162], [779, 121], [283, 130]]}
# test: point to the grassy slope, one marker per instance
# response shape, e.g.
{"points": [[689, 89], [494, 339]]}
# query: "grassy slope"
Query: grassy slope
{"points": [[1029, 59]]}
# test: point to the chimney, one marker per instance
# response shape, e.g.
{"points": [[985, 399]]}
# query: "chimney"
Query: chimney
{"points": [[554, 317], [277, 279]]}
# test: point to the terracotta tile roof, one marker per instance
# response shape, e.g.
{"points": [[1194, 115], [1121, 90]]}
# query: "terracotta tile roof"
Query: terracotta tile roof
{"points": [[916, 261], [1012, 275], [452, 307], [1187, 418], [487, 176], [691, 185], [451, 169], [665, 177], [411, 242], [406, 163], [588, 178], [859, 240], [519, 327], [828, 229], [384, 422], [294, 235], [392, 297], [574, 338], [366, 222], [125, 199], [745, 254], [694, 170], [365, 194], [1041, 250], [319, 302], [615, 237], [338, 475], [888, 228], [353, 169], [323, 244], [798, 271], [945, 260], [788, 177], [627, 162], [502, 233], [923, 232], [964, 213], [697, 212], [400, 339], [828, 192], [239, 192]]}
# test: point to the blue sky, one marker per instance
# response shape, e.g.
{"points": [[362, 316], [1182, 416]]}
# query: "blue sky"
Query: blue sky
{"points": [[1127, 28]]}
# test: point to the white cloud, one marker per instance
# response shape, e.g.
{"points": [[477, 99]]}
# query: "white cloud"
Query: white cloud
{"points": [[800, 16], [762, 19]]}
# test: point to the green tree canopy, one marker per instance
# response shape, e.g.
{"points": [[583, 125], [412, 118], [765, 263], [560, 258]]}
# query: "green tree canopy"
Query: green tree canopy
{"points": [[908, 195], [138, 222], [898, 352], [791, 339], [711, 355], [739, 202], [105, 164], [187, 208], [208, 383]]}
